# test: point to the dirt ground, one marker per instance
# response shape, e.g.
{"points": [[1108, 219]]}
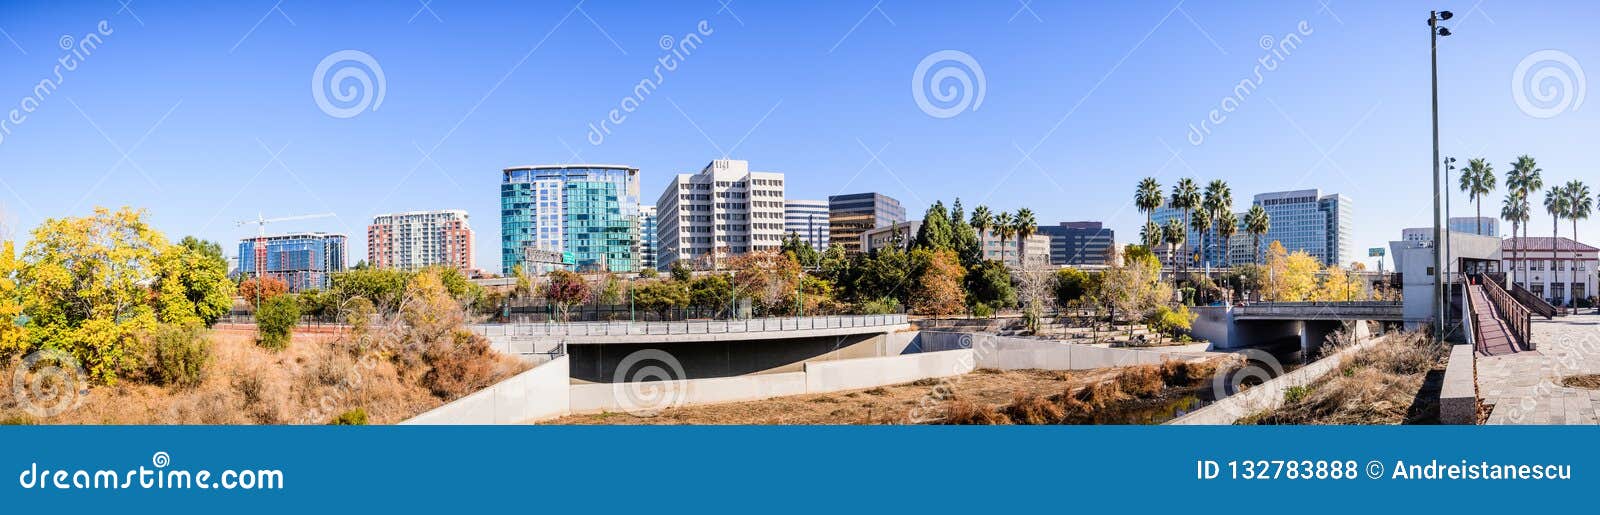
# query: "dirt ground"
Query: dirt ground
{"points": [[881, 405]]}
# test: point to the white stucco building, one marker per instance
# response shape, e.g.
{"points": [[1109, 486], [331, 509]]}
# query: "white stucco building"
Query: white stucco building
{"points": [[722, 211]]}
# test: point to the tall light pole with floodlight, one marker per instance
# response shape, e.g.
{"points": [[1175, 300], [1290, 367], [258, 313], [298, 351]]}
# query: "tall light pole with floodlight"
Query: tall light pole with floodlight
{"points": [[1434, 33]]}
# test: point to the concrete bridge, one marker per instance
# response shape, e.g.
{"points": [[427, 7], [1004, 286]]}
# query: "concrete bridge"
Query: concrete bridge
{"points": [[1279, 323]]}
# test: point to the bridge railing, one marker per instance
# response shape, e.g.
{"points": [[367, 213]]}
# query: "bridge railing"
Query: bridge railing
{"points": [[1522, 295], [753, 325], [1518, 318]]}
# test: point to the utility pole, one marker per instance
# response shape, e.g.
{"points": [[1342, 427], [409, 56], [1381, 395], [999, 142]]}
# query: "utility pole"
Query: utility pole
{"points": [[1434, 31]]}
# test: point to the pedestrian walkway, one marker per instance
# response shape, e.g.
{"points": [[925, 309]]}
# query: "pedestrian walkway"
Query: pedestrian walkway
{"points": [[1494, 338], [1526, 388]]}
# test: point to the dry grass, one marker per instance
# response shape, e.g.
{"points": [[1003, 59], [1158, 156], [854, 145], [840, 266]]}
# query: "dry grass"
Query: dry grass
{"points": [[1381, 385], [1110, 400], [1585, 381], [318, 377], [982, 391]]}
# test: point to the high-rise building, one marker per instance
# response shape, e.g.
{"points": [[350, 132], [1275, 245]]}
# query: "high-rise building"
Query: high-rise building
{"points": [[301, 260], [585, 213], [647, 237], [1201, 250], [1036, 247], [809, 220], [1307, 220], [851, 215], [722, 211], [420, 239], [1079, 243]]}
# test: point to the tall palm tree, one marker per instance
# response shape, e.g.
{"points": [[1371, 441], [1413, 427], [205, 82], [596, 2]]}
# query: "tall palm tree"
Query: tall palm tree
{"points": [[1555, 203], [981, 221], [1202, 227], [1024, 226], [1477, 180], [1524, 177], [1151, 236], [1580, 204], [1185, 196], [1148, 198], [1175, 233], [1515, 210], [1227, 226], [1218, 200], [1003, 228], [1257, 222]]}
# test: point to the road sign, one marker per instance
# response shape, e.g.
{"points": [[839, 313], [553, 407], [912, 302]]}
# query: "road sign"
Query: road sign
{"points": [[1375, 252]]}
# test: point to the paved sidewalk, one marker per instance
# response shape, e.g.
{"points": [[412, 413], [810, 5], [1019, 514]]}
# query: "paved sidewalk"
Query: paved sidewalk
{"points": [[1526, 387]]}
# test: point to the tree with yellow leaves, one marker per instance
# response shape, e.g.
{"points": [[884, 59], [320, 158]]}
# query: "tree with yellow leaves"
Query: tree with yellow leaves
{"points": [[11, 332], [1291, 276]]}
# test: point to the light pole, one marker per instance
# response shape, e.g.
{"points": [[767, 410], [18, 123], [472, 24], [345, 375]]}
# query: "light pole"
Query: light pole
{"points": [[1434, 32]]}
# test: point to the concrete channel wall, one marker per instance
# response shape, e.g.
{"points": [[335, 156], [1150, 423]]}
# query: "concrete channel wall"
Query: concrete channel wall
{"points": [[537, 394], [1006, 353], [620, 397], [1268, 395], [1458, 397]]}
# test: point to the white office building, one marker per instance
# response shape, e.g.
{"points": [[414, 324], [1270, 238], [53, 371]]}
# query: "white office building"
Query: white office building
{"points": [[722, 211], [1309, 221], [808, 219]]}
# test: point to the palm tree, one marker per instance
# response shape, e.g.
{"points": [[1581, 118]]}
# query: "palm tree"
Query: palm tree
{"points": [[1227, 226], [1003, 228], [1477, 180], [1024, 226], [1555, 203], [1151, 236], [1175, 234], [1185, 196], [1218, 200], [1202, 227], [981, 221], [1148, 198], [1257, 222], [1524, 177], [1580, 204], [1515, 210]]}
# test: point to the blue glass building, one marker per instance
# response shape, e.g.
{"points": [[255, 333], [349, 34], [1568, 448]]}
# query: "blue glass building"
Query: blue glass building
{"points": [[585, 213], [303, 260]]}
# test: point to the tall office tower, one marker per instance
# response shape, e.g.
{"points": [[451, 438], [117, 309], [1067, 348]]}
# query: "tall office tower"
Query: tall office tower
{"points": [[809, 220], [1079, 243], [648, 239], [420, 239], [301, 260], [1307, 220], [722, 211], [856, 213], [583, 215], [1471, 225]]}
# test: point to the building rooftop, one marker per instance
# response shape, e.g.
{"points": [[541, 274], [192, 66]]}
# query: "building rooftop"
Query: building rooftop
{"points": [[1544, 243]]}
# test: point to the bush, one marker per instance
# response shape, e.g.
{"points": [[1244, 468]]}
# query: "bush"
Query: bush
{"points": [[179, 355], [355, 417], [1169, 322], [275, 321], [881, 306], [460, 366], [982, 310]]}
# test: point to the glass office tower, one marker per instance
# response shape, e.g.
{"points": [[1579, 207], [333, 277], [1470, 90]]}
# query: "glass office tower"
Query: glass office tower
{"points": [[585, 213]]}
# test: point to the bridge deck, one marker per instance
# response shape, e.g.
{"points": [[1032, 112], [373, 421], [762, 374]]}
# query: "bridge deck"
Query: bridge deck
{"points": [[1366, 310]]}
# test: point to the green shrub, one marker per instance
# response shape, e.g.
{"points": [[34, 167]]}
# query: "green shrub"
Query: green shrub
{"points": [[179, 355], [1171, 322], [881, 306], [982, 310], [275, 321], [355, 417], [1294, 394]]}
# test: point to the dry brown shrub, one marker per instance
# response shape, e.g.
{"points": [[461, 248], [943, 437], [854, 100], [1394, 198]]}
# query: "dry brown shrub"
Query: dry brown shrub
{"points": [[1142, 381], [1033, 409], [968, 413]]}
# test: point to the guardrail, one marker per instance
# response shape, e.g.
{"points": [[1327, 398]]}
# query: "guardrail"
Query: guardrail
{"points": [[1518, 318], [1522, 295], [753, 325]]}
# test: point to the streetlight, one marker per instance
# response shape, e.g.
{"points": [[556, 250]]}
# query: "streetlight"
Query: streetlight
{"points": [[1434, 33]]}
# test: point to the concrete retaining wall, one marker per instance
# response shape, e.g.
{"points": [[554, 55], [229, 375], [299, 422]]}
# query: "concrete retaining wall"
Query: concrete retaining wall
{"points": [[1006, 353], [537, 394], [1458, 398], [1267, 395], [852, 374]]}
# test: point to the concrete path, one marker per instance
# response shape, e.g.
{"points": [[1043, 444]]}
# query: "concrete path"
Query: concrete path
{"points": [[1525, 388]]}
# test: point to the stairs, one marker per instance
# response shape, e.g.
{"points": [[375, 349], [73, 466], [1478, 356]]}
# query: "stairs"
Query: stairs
{"points": [[1494, 338]]}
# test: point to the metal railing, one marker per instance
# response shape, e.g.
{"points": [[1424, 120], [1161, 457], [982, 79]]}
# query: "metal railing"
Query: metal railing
{"points": [[1522, 295], [753, 325], [1518, 318]]}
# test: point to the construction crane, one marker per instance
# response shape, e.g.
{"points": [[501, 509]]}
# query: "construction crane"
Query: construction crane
{"points": [[261, 222]]}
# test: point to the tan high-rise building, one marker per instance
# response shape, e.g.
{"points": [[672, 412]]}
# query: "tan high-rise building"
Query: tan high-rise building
{"points": [[420, 239]]}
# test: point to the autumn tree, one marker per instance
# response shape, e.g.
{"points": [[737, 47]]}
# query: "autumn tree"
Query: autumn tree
{"points": [[768, 278], [11, 334], [938, 291], [1133, 289], [564, 290], [1290, 276], [261, 289]]}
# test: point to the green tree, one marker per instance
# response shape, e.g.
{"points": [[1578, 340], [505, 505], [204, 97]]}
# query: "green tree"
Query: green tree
{"points": [[1174, 234], [385, 287], [935, 232], [192, 283], [1227, 226], [1070, 286], [1257, 222], [1580, 204], [1477, 180], [1515, 209], [1024, 226], [275, 322], [1524, 178], [1218, 202], [661, 297], [1202, 229], [712, 291], [1555, 204], [1004, 227], [982, 221], [1148, 198], [989, 283], [680, 271]]}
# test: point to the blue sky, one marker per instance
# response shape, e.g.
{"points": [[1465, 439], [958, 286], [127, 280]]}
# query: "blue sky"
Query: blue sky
{"points": [[213, 105]]}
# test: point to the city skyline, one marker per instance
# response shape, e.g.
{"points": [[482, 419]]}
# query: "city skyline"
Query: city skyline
{"points": [[1066, 140]]}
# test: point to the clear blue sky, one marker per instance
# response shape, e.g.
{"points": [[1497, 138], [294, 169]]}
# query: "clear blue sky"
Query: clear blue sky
{"points": [[1097, 97]]}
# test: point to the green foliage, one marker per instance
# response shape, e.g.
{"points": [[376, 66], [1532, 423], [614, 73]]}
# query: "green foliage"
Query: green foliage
{"points": [[1070, 285], [192, 282], [661, 297], [354, 417], [880, 306], [936, 232], [1171, 322], [990, 283], [323, 305], [883, 272], [711, 292], [611, 291], [800, 251], [179, 355], [680, 271], [1294, 394], [357, 312], [384, 287], [648, 273], [982, 310], [275, 321]]}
